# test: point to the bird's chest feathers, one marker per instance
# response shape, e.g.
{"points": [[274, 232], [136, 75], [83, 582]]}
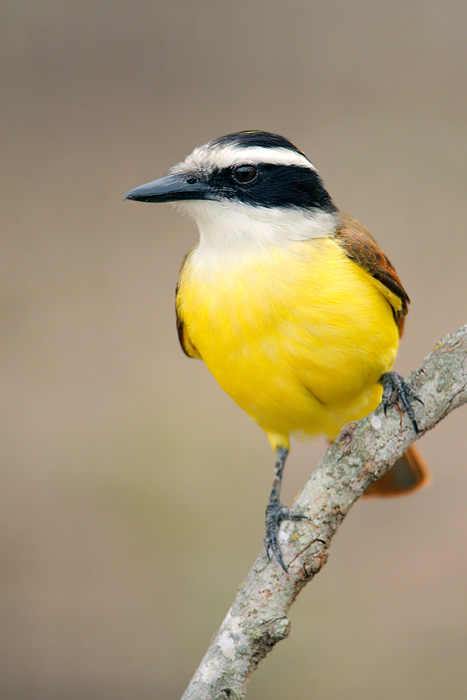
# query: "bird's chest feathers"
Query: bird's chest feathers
{"points": [[274, 326], [235, 300], [299, 293], [231, 298]]}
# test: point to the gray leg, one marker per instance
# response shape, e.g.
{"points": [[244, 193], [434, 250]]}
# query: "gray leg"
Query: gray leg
{"points": [[276, 512]]}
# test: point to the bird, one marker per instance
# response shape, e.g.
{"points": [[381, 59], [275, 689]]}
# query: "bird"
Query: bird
{"points": [[290, 302]]}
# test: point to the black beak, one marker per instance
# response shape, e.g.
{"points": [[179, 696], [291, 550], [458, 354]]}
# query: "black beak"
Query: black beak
{"points": [[171, 188]]}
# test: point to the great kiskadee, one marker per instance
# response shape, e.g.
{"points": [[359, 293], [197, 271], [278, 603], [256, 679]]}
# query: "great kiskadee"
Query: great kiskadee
{"points": [[290, 303]]}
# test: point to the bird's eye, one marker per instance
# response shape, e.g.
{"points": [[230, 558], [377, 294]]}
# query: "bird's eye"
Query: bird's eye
{"points": [[244, 174]]}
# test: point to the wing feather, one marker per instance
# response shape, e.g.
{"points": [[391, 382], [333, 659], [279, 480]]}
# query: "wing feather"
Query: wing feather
{"points": [[361, 247], [185, 342]]}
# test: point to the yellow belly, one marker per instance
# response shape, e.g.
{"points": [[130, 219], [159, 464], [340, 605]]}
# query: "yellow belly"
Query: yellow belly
{"points": [[297, 336]]}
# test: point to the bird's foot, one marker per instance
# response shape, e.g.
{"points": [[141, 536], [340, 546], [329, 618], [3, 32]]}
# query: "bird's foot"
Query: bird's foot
{"points": [[275, 514], [396, 390]]}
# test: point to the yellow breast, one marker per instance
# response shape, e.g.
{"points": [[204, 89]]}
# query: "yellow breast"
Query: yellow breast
{"points": [[298, 336]]}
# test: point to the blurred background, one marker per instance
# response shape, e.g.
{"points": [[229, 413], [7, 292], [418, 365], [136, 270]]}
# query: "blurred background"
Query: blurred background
{"points": [[133, 490]]}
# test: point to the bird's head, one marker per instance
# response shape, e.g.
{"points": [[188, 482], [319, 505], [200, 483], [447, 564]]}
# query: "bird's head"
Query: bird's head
{"points": [[250, 187]]}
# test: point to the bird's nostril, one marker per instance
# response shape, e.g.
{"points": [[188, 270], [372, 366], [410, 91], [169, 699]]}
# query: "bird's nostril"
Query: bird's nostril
{"points": [[192, 180]]}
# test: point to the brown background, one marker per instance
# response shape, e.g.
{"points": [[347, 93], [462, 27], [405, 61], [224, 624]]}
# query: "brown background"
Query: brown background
{"points": [[132, 489]]}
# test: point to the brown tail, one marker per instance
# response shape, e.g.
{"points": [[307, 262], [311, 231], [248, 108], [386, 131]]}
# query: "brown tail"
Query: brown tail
{"points": [[409, 473]]}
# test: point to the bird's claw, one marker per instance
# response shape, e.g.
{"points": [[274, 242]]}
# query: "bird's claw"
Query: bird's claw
{"points": [[275, 514], [404, 395]]}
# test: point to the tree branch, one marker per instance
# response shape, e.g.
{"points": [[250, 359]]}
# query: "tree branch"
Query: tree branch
{"points": [[363, 451]]}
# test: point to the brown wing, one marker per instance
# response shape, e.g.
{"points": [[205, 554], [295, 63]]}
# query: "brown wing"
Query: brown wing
{"points": [[361, 247], [185, 342]]}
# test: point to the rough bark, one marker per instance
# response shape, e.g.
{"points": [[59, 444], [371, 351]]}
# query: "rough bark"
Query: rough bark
{"points": [[363, 451]]}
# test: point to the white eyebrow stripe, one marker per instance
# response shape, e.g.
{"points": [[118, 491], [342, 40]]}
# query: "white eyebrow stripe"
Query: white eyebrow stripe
{"points": [[226, 155]]}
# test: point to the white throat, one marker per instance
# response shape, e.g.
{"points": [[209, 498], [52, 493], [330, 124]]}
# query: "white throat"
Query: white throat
{"points": [[234, 227]]}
